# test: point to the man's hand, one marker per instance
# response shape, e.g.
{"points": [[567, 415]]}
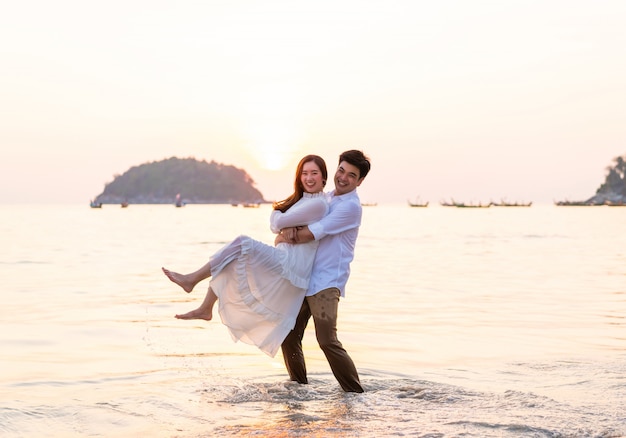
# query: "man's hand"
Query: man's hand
{"points": [[300, 234], [287, 235], [280, 239]]}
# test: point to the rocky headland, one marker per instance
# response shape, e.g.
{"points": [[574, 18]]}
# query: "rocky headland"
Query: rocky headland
{"points": [[613, 190]]}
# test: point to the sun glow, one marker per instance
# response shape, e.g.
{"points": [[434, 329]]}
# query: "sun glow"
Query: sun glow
{"points": [[271, 127], [271, 146]]}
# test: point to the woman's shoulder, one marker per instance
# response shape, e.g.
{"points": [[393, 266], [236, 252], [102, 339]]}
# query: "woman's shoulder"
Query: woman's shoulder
{"points": [[317, 204]]}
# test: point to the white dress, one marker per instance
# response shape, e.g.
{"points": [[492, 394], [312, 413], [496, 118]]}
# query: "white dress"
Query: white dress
{"points": [[261, 287]]}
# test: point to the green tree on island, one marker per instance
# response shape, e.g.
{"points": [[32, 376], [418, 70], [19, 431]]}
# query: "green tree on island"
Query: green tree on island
{"points": [[198, 182]]}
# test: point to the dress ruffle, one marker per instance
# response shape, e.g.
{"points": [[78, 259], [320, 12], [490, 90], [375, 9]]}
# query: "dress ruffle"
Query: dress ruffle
{"points": [[261, 290], [261, 287], [245, 292]]}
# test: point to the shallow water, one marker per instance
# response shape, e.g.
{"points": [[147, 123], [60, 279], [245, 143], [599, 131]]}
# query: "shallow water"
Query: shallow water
{"points": [[499, 322]]}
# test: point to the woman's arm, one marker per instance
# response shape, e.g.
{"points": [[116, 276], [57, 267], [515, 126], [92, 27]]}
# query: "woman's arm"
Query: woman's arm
{"points": [[300, 234], [304, 212], [345, 216]]}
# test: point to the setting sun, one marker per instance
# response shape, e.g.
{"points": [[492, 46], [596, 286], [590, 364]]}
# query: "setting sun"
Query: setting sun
{"points": [[271, 145], [269, 123]]}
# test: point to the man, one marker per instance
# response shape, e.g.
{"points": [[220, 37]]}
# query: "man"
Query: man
{"points": [[337, 233]]}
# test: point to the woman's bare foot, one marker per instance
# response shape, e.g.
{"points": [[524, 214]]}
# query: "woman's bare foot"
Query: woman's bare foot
{"points": [[197, 314], [180, 279]]}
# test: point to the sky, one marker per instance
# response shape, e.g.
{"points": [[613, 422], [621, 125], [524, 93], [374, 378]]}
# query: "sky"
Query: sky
{"points": [[471, 100]]}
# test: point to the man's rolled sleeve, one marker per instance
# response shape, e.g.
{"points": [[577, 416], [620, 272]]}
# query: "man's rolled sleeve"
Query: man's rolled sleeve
{"points": [[317, 229], [345, 216]]}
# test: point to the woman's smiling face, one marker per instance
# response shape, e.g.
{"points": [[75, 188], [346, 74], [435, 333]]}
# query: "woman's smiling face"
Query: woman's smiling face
{"points": [[311, 177]]}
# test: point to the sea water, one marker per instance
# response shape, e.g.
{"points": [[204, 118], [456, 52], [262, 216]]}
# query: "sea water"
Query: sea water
{"points": [[494, 322]]}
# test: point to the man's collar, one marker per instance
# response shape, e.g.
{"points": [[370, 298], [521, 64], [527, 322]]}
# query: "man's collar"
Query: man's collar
{"points": [[344, 196]]}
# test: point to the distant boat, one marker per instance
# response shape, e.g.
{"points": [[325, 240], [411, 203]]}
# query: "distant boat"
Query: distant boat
{"points": [[179, 201], [369, 204], [479, 205], [453, 203], [94, 204], [448, 204], [511, 204], [124, 204], [577, 204], [417, 203], [615, 204], [247, 204]]}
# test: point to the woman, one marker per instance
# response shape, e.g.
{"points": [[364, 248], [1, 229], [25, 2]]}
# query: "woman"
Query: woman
{"points": [[261, 287]]}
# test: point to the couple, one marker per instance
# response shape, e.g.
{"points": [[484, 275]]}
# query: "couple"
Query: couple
{"points": [[267, 294]]}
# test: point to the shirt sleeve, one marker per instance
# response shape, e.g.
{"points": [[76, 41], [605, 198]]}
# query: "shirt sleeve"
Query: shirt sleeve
{"points": [[345, 216], [304, 212]]}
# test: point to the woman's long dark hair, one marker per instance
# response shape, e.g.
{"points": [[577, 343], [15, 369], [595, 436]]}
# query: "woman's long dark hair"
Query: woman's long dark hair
{"points": [[286, 203]]}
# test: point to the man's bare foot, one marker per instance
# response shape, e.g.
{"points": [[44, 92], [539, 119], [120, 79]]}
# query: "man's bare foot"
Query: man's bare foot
{"points": [[197, 314], [180, 279]]}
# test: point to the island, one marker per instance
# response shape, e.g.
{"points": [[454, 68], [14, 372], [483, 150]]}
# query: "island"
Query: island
{"points": [[181, 180]]}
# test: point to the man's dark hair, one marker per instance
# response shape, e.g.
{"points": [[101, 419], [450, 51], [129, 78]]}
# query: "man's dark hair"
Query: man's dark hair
{"points": [[358, 159]]}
